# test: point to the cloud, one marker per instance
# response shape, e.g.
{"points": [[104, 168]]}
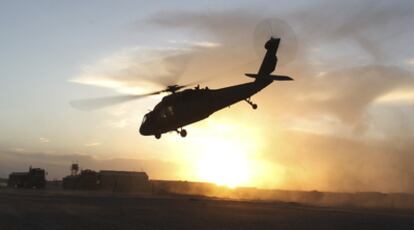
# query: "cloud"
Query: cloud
{"points": [[399, 97], [204, 44], [373, 29], [44, 140], [349, 92], [93, 144], [410, 62]]}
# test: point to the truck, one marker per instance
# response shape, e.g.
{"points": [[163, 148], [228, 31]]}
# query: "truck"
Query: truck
{"points": [[35, 178]]}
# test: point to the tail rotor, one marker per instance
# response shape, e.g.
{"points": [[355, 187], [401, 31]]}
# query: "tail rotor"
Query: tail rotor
{"points": [[276, 28]]}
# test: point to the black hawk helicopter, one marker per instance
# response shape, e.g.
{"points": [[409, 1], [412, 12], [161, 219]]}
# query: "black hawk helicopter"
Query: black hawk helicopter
{"points": [[184, 107]]}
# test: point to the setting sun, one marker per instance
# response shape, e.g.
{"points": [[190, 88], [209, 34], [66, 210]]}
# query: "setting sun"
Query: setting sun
{"points": [[220, 154], [224, 163]]}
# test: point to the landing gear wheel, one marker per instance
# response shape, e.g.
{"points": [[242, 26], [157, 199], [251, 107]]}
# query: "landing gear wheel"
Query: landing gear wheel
{"points": [[183, 133], [253, 105], [158, 136]]}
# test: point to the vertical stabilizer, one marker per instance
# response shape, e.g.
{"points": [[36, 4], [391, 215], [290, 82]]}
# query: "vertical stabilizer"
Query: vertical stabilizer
{"points": [[269, 63], [270, 59]]}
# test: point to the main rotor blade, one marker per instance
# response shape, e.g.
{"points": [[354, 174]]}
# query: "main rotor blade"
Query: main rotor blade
{"points": [[190, 84], [99, 103]]}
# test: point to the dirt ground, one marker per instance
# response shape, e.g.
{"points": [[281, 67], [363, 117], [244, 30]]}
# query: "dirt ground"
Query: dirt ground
{"points": [[30, 209]]}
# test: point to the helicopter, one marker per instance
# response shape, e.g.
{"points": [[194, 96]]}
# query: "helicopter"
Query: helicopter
{"points": [[183, 106]]}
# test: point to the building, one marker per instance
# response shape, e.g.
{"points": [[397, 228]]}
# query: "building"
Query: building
{"points": [[86, 180], [108, 180], [123, 181]]}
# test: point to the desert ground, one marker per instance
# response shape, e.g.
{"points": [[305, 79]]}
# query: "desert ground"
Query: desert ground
{"points": [[32, 209]]}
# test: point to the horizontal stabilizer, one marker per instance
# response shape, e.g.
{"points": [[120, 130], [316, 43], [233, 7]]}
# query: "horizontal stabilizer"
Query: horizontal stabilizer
{"points": [[271, 77]]}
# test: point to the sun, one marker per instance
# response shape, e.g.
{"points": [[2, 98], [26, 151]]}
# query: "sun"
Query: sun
{"points": [[223, 157], [224, 152], [224, 163]]}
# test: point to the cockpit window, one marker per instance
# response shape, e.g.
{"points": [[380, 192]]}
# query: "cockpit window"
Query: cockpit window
{"points": [[170, 110], [167, 112], [144, 119]]}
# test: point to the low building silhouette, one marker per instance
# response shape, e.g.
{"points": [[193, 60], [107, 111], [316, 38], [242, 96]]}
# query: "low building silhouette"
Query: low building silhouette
{"points": [[107, 180], [86, 180], [123, 181]]}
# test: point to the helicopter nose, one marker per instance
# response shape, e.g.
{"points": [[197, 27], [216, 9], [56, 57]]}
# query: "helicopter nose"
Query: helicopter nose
{"points": [[143, 130]]}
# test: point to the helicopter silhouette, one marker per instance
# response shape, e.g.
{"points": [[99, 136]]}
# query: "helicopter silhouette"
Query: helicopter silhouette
{"points": [[183, 107]]}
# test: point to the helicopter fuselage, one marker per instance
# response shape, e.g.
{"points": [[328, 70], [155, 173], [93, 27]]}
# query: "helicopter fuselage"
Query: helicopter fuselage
{"points": [[186, 107]]}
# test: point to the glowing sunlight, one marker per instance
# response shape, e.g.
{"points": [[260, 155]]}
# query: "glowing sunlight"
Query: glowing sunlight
{"points": [[224, 163], [223, 155]]}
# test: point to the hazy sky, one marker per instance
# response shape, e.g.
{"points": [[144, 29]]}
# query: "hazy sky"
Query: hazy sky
{"points": [[344, 124]]}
